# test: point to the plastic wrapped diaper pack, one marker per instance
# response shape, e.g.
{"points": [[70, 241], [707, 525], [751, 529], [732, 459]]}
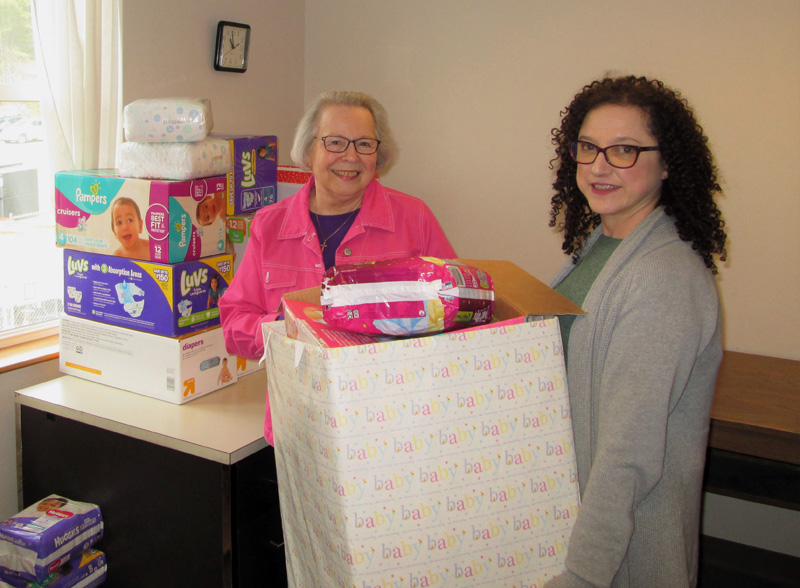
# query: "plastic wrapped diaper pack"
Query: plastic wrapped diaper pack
{"points": [[174, 161], [84, 570], [37, 541], [181, 120], [407, 296]]}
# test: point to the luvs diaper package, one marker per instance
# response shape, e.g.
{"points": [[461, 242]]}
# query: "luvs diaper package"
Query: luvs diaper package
{"points": [[253, 179], [167, 119], [407, 296], [37, 541], [156, 220], [165, 299]]}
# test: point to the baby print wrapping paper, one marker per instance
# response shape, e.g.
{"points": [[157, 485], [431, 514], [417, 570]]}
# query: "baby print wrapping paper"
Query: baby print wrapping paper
{"points": [[436, 461]]}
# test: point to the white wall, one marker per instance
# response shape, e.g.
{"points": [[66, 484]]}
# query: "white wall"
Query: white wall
{"points": [[168, 50], [473, 89]]}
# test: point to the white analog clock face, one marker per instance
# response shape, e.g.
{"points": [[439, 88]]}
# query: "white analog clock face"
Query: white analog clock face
{"points": [[232, 47]]}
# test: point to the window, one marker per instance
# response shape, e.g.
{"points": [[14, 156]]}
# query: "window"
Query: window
{"points": [[31, 289], [60, 94]]}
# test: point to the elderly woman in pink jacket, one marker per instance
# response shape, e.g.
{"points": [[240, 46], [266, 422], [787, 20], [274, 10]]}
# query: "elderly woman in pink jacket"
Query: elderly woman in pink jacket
{"points": [[343, 214]]}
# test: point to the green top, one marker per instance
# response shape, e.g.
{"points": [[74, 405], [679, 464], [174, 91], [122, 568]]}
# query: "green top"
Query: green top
{"points": [[579, 281]]}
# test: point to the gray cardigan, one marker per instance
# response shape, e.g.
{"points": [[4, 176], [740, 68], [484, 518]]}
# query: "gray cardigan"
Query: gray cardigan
{"points": [[642, 367]]}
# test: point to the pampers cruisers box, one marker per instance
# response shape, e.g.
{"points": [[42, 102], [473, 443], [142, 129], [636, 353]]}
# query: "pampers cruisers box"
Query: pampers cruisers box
{"points": [[155, 220], [238, 227], [175, 370], [164, 299], [445, 460]]}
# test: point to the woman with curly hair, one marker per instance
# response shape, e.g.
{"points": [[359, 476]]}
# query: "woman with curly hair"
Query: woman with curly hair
{"points": [[635, 184]]}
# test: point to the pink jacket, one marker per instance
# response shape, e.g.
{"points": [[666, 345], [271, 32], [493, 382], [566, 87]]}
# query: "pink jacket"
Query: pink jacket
{"points": [[283, 255]]}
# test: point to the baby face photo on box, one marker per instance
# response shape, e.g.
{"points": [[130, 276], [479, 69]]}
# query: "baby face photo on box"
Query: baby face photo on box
{"points": [[152, 220]]}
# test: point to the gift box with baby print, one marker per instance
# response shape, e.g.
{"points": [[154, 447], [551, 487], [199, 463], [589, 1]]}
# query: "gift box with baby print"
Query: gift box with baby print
{"points": [[154, 220], [164, 299], [433, 461]]}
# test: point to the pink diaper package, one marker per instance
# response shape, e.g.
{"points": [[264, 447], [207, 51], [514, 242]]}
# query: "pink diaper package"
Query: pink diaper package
{"points": [[39, 540], [407, 296]]}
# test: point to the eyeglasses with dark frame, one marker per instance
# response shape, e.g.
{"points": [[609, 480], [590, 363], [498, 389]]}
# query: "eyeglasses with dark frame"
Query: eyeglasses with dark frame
{"points": [[336, 144], [619, 156]]}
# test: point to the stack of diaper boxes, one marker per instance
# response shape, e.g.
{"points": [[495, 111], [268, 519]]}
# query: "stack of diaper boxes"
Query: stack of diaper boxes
{"points": [[289, 180], [147, 255]]}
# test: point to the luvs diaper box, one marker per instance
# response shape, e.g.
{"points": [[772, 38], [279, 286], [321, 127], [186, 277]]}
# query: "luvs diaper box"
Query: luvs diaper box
{"points": [[155, 220], [445, 460], [165, 299], [175, 370], [253, 179]]}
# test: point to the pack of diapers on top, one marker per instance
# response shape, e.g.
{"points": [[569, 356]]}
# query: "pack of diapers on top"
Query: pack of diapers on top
{"points": [[172, 120], [37, 541], [174, 161], [407, 296]]}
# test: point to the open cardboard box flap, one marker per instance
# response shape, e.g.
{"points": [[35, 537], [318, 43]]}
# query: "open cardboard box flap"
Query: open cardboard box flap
{"points": [[517, 293]]}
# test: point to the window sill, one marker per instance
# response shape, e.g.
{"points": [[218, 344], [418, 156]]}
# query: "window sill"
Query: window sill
{"points": [[29, 353]]}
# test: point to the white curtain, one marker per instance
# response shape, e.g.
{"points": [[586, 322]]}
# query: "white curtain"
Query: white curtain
{"points": [[78, 50]]}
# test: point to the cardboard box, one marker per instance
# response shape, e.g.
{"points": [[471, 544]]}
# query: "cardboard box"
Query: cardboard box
{"points": [[304, 322], [175, 370], [164, 299], [168, 228], [290, 180], [238, 228], [253, 179], [444, 460]]}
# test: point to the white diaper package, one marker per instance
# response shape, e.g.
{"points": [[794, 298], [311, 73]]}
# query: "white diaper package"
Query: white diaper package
{"points": [[181, 120], [174, 161]]}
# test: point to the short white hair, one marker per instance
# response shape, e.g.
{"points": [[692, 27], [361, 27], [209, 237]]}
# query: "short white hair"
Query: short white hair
{"points": [[309, 124]]}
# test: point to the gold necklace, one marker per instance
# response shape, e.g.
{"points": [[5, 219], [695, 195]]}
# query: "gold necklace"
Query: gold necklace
{"points": [[325, 240]]}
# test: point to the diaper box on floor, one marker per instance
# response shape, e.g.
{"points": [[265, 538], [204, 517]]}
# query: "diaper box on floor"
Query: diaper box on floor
{"points": [[176, 370], [445, 460], [164, 299], [253, 179], [290, 180], [155, 220]]}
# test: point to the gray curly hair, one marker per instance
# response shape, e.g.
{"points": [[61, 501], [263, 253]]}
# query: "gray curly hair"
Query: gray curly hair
{"points": [[307, 128]]}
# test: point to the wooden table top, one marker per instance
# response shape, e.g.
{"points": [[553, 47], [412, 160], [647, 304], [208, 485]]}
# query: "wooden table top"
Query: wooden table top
{"points": [[756, 409]]}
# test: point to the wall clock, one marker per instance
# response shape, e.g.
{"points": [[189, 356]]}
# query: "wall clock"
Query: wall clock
{"points": [[233, 45]]}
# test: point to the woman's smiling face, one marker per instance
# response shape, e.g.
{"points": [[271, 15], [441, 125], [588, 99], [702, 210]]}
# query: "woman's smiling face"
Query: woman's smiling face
{"points": [[622, 197], [342, 178]]}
